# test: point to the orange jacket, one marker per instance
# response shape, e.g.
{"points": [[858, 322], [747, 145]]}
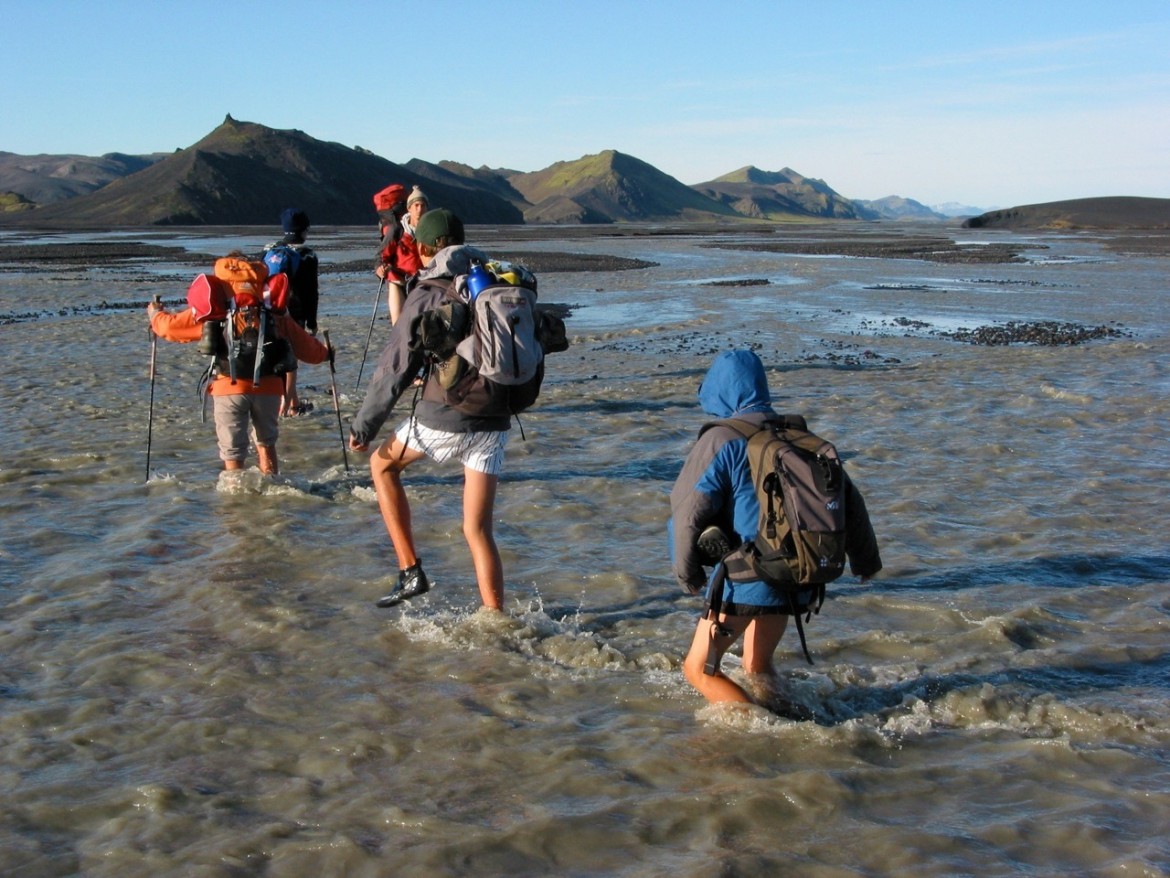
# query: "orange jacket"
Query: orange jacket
{"points": [[182, 328]]}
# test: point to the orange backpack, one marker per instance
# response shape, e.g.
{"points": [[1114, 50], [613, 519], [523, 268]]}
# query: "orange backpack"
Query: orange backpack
{"points": [[236, 284], [245, 278]]}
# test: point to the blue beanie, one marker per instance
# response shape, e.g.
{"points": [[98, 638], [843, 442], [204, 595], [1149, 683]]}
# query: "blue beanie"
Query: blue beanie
{"points": [[294, 221]]}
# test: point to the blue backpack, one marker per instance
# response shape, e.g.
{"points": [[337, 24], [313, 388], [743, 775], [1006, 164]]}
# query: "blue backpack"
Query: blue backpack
{"points": [[282, 259]]}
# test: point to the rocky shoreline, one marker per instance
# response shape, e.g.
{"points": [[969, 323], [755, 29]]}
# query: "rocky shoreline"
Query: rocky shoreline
{"points": [[52, 257], [927, 249]]}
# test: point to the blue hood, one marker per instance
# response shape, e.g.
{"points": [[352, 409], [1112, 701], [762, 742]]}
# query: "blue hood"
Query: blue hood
{"points": [[735, 384]]}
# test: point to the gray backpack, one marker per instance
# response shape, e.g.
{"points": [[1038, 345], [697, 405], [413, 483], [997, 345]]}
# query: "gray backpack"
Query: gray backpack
{"points": [[488, 349]]}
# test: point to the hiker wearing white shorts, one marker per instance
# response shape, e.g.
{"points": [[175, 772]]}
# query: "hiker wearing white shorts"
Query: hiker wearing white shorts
{"points": [[434, 429]]}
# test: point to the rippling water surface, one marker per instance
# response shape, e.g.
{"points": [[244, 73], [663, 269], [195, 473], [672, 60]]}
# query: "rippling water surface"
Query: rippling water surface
{"points": [[195, 679]]}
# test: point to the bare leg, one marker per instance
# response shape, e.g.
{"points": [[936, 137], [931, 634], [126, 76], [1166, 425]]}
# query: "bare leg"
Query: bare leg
{"points": [[394, 299], [717, 687], [386, 466], [479, 497], [266, 454], [760, 641], [288, 405], [233, 464]]}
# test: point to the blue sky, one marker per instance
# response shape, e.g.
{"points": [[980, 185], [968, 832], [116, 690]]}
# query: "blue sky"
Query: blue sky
{"points": [[987, 104]]}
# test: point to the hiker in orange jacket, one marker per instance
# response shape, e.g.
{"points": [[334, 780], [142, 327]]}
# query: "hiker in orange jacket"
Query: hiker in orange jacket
{"points": [[237, 402]]}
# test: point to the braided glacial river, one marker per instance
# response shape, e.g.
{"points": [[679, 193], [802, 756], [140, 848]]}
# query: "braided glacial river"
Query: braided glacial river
{"points": [[195, 680]]}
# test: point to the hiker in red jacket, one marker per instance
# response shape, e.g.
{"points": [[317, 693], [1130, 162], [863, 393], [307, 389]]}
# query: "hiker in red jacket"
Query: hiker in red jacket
{"points": [[398, 257]]}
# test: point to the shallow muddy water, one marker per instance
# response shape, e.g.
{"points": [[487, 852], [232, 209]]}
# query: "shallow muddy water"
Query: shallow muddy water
{"points": [[196, 682]]}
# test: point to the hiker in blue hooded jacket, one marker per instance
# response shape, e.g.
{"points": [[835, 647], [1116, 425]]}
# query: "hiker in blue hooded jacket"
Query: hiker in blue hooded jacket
{"points": [[433, 429], [714, 507]]}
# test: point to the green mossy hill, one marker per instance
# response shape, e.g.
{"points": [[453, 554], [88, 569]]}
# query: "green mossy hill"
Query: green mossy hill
{"points": [[780, 195], [14, 202], [1108, 213], [613, 185], [246, 174]]}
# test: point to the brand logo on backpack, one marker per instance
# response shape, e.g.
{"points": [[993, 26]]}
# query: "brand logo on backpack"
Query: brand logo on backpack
{"points": [[487, 344]]}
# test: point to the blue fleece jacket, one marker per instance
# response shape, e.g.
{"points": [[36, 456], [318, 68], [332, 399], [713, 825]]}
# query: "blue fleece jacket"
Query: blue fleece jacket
{"points": [[715, 485]]}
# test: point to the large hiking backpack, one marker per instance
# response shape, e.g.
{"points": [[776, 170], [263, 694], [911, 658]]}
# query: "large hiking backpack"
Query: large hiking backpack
{"points": [[385, 199], [488, 341], [236, 305], [799, 546]]}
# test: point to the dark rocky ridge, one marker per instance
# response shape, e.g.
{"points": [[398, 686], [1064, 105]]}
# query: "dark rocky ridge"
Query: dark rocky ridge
{"points": [[246, 174], [1121, 212]]}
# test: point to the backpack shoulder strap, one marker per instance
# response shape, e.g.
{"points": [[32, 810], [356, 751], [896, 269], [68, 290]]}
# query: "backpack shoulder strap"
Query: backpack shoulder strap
{"points": [[747, 429], [743, 428], [445, 283]]}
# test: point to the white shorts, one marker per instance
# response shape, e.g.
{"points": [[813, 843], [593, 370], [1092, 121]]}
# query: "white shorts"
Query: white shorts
{"points": [[482, 452]]}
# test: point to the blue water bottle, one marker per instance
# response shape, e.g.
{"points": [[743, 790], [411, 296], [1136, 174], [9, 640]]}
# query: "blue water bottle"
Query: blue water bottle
{"points": [[478, 278]]}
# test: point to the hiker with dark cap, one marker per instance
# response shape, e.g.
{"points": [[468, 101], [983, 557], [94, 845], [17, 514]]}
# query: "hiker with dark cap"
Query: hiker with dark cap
{"points": [[433, 429], [715, 509], [398, 258], [291, 256]]}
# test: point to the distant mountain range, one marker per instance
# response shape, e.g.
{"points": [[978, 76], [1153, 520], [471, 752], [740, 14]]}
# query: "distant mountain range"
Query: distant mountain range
{"points": [[243, 173], [43, 179], [246, 174], [897, 207]]}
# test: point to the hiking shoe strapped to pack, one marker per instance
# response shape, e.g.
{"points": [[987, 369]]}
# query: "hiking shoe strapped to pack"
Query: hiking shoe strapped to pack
{"points": [[714, 544], [411, 583]]}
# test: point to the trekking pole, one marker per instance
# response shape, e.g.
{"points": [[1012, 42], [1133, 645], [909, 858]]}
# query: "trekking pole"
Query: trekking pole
{"points": [[370, 334], [336, 402], [150, 411]]}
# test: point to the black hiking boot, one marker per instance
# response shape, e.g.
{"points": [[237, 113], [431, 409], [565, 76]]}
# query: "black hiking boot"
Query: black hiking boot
{"points": [[411, 583], [714, 544]]}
